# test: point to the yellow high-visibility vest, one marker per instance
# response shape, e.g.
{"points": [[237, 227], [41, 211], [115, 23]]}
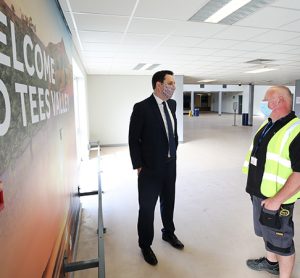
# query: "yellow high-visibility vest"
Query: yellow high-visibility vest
{"points": [[278, 164]]}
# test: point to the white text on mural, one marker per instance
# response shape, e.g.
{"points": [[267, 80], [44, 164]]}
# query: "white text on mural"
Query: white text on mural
{"points": [[36, 63]]}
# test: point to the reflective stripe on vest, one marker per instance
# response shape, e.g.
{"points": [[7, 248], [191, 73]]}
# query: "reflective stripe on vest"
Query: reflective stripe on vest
{"points": [[276, 157]]}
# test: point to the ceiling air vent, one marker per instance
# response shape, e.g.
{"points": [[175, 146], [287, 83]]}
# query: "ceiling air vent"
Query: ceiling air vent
{"points": [[260, 61]]}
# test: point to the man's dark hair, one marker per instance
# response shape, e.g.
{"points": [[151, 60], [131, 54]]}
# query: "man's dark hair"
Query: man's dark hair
{"points": [[160, 77]]}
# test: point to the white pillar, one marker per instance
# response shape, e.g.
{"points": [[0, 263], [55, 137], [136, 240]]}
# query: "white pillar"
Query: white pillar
{"points": [[220, 104], [250, 109], [178, 96]]}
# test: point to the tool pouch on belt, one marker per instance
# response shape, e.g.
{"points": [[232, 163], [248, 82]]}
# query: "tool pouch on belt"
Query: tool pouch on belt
{"points": [[270, 218]]}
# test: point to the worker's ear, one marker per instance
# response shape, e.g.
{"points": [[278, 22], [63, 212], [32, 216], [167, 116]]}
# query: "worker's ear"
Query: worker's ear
{"points": [[280, 100]]}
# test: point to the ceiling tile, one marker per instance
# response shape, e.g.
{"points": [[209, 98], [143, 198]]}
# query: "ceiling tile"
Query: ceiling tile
{"points": [[213, 58], [109, 7], [97, 47], [167, 10], [104, 23], [249, 46], [295, 51], [198, 29], [102, 37], [279, 48], [142, 39], [198, 51], [275, 36], [262, 18], [133, 48], [152, 26], [182, 41], [217, 43], [295, 41], [98, 59], [229, 53], [239, 33], [291, 4], [87, 54], [294, 26]]}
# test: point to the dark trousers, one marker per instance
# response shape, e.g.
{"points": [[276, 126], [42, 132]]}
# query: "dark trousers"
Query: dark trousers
{"points": [[151, 185]]}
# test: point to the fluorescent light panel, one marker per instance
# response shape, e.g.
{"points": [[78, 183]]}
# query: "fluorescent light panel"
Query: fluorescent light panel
{"points": [[206, 80], [139, 66], [153, 66], [261, 70], [226, 10], [145, 66], [215, 6]]}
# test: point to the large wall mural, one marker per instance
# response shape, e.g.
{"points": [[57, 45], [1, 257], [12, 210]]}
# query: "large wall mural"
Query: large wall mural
{"points": [[37, 138]]}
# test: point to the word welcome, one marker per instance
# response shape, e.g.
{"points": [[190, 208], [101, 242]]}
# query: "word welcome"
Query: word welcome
{"points": [[35, 62]]}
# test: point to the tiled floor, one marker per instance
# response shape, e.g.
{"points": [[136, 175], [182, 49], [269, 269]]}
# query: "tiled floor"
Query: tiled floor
{"points": [[212, 212]]}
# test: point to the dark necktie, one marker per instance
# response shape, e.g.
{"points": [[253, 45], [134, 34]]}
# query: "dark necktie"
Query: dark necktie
{"points": [[172, 145]]}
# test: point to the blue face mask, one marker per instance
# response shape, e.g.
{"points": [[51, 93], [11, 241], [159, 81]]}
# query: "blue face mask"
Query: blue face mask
{"points": [[265, 109]]}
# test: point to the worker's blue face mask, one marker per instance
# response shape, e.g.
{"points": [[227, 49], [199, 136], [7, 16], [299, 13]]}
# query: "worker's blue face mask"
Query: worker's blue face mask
{"points": [[264, 108]]}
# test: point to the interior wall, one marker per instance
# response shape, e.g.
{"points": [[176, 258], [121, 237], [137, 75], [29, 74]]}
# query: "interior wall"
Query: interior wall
{"points": [[110, 103], [37, 140], [228, 98]]}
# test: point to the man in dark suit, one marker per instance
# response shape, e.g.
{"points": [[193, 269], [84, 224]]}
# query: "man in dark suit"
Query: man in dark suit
{"points": [[153, 142]]}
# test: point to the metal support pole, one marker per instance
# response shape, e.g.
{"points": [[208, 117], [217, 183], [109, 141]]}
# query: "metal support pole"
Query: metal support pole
{"points": [[250, 110], [235, 105], [101, 268], [220, 104]]}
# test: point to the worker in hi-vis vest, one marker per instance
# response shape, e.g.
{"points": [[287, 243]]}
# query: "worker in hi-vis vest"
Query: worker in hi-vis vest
{"points": [[273, 168]]}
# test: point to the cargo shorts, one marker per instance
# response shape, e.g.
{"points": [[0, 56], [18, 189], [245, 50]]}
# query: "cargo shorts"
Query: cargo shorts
{"points": [[275, 227]]}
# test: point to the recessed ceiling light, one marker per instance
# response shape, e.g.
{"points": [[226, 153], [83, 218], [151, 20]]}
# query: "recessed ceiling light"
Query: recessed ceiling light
{"points": [[261, 70], [206, 80], [144, 66], [226, 10], [153, 66], [139, 66]]}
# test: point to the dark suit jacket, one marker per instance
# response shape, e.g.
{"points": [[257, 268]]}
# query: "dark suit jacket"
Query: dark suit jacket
{"points": [[148, 141]]}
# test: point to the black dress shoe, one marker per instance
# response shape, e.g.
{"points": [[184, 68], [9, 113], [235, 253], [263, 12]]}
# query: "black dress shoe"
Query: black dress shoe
{"points": [[173, 240], [149, 256]]}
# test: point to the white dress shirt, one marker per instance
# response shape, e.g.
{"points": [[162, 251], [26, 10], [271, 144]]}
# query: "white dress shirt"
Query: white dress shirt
{"points": [[162, 112]]}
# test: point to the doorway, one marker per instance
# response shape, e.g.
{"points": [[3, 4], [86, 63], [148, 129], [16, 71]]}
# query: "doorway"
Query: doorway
{"points": [[240, 105], [203, 101], [187, 102]]}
